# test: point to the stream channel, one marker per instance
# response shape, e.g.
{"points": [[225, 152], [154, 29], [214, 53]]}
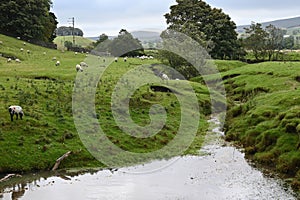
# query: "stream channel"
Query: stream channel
{"points": [[220, 172]]}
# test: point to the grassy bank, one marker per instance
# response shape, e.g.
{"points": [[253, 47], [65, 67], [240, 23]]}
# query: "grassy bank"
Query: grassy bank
{"points": [[45, 93], [264, 114]]}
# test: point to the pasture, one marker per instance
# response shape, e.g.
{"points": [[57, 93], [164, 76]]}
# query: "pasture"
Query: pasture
{"points": [[47, 130]]}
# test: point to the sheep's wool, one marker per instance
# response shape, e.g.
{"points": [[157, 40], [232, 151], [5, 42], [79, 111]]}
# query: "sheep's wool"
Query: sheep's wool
{"points": [[17, 109]]}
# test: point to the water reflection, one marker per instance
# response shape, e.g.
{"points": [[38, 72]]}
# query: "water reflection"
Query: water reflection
{"points": [[223, 173]]}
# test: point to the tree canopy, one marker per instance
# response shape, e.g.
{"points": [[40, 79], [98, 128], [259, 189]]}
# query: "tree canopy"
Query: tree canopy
{"points": [[209, 26], [28, 19], [123, 45], [68, 30], [264, 42]]}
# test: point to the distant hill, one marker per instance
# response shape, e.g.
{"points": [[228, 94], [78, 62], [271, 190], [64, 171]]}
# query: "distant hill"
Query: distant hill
{"points": [[281, 23], [147, 36]]}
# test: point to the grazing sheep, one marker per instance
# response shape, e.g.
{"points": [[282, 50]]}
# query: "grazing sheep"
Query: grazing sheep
{"points": [[57, 63], [164, 76], [44, 53], [15, 110], [116, 59], [143, 57], [24, 43], [1, 42], [21, 49], [54, 58], [18, 38], [83, 64], [28, 51], [125, 59], [76, 53], [18, 60], [79, 68], [9, 60]]}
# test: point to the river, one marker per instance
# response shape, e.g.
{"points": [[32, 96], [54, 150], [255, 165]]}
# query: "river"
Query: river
{"points": [[221, 172]]}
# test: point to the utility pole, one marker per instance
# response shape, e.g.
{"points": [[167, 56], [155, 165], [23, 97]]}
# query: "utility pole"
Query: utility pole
{"points": [[73, 29]]}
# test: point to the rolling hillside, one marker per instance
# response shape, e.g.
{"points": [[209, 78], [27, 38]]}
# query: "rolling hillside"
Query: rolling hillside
{"points": [[47, 130], [282, 23], [81, 41]]}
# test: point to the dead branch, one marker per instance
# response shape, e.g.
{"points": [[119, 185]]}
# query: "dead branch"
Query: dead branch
{"points": [[8, 176], [58, 161]]}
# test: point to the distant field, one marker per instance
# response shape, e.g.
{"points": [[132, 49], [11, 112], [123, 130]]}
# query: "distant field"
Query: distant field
{"points": [[81, 41]]}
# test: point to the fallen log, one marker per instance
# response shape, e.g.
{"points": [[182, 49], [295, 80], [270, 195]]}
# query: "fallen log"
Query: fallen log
{"points": [[8, 176], [58, 161]]}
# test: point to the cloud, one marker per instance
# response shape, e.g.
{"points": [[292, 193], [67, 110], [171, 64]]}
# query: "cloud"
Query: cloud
{"points": [[109, 16], [243, 12], [95, 17]]}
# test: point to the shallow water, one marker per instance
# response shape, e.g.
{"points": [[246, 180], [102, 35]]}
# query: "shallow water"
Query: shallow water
{"points": [[222, 173]]}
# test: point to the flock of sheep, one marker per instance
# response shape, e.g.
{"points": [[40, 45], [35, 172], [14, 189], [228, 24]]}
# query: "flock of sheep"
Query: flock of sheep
{"points": [[18, 111]]}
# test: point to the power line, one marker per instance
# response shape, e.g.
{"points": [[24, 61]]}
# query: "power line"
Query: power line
{"points": [[73, 29]]}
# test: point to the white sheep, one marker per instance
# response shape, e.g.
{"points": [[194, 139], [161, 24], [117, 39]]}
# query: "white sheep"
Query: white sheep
{"points": [[44, 53], [9, 60], [79, 68], [83, 64], [24, 43], [116, 59], [18, 60], [54, 58], [21, 49], [125, 59], [143, 57], [28, 51], [164, 76], [1, 42], [57, 63], [15, 110], [76, 53]]}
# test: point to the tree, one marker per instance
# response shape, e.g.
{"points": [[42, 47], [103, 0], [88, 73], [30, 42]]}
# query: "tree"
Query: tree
{"points": [[288, 42], [101, 39], [274, 41], [68, 45], [264, 42], [28, 19], [210, 27], [68, 30], [125, 45], [256, 40]]}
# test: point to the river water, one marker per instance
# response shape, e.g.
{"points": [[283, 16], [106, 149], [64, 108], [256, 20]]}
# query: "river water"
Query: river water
{"points": [[220, 173]]}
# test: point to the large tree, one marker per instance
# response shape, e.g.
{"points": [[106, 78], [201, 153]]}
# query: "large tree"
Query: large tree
{"points": [[28, 19], [209, 26]]}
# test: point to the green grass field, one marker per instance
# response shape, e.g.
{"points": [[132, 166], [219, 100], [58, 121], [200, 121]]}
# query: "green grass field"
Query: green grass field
{"points": [[263, 111], [47, 130], [264, 114], [79, 41]]}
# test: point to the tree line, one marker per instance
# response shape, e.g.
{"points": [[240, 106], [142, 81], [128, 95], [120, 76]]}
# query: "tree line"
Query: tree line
{"points": [[30, 20]]}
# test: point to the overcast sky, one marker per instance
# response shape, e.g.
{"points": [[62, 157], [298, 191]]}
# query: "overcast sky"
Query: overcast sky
{"points": [[95, 17]]}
